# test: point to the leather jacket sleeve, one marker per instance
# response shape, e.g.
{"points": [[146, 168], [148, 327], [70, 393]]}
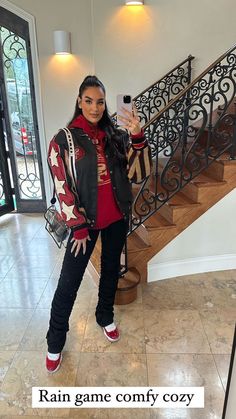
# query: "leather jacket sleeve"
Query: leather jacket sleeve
{"points": [[73, 215]]}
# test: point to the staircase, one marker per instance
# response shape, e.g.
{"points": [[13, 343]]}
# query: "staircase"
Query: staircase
{"points": [[180, 211], [193, 141]]}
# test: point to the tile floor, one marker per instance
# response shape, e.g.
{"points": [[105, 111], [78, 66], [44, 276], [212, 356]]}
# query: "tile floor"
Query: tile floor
{"points": [[177, 333]]}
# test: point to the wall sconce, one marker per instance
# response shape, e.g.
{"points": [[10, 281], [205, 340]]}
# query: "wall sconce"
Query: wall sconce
{"points": [[62, 42], [134, 3]]}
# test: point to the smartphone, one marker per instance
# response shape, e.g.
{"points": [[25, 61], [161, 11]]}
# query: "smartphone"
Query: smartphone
{"points": [[123, 101]]}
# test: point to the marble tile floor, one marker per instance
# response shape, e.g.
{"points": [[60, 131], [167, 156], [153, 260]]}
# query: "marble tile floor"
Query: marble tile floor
{"points": [[177, 333]]}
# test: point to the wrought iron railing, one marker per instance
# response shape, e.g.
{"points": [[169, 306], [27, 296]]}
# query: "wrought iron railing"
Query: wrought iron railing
{"points": [[155, 97], [187, 135]]}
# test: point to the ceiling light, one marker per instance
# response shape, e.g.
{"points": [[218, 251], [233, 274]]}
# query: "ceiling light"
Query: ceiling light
{"points": [[133, 3]]}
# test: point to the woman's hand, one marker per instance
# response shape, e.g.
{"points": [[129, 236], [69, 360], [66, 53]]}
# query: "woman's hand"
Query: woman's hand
{"points": [[131, 120], [77, 245]]}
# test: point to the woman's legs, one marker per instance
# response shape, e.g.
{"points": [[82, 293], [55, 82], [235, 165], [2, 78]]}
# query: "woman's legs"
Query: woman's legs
{"points": [[72, 272], [113, 239]]}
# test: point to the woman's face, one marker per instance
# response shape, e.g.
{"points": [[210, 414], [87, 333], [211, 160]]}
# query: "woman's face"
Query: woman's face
{"points": [[92, 104]]}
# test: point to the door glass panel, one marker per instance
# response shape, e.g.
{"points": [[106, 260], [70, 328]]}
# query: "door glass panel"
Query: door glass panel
{"points": [[18, 92], [6, 192], [2, 193]]}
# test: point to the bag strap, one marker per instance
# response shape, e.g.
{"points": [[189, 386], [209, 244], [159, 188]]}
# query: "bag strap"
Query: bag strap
{"points": [[71, 151], [53, 200]]}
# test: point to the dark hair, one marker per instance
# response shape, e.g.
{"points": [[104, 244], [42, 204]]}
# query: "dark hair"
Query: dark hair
{"points": [[114, 136], [92, 81]]}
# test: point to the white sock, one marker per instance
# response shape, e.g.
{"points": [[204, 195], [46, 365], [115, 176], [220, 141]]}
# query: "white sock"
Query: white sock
{"points": [[110, 327], [53, 357]]}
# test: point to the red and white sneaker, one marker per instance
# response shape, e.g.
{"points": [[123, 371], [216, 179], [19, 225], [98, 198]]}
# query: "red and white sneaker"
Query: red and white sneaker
{"points": [[111, 332], [53, 366]]}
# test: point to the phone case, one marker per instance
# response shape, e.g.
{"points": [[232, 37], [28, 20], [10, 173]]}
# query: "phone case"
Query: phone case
{"points": [[119, 105]]}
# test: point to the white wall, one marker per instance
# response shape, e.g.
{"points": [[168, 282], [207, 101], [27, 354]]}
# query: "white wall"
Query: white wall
{"points": [[134, 46], [61, 76], [209, 244]]}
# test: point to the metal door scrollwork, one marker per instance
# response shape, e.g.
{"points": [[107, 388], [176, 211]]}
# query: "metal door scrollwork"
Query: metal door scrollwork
{"points": [[21, 134]]}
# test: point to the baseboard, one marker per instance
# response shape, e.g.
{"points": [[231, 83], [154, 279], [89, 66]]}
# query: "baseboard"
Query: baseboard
{"points": [[165, 270]]}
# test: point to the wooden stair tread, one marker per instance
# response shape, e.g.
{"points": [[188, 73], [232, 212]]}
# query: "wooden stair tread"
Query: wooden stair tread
{"points": [[179, 199], [156, 221], [205, 180], [226, 161]]}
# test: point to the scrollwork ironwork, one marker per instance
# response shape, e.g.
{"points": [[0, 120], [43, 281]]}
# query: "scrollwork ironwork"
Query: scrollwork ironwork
{"points": [[30, 185], [19, 97], [158, 95], [12, 47], [188, 135]]}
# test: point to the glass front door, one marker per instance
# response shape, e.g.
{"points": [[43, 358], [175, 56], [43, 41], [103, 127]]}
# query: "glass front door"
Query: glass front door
{"points": [[20, 126], [6, 192]]}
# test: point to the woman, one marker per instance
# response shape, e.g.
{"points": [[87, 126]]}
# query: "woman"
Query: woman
{"points": [[101, 203]]}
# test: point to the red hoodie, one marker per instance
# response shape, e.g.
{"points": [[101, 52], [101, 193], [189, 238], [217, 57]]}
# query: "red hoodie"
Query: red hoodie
{"points": [[107, 209]]}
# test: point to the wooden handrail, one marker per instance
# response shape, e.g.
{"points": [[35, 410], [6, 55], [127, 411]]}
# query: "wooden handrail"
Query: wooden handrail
{"points": [[187, 88]]}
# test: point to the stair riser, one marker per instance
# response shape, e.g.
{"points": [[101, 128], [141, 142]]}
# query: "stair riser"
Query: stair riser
{"points": [[229, 171], [220, 171], [143, 234], [216, 170], [166, 212], [191, 191], [173, 214], [204, 192], [198, 193]]}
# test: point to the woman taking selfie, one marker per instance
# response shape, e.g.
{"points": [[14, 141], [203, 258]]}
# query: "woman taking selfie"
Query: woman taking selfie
{"points": [[101, 203]]}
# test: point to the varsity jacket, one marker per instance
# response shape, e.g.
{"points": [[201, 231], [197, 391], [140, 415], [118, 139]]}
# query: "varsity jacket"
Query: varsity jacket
{"points": [[79, 209]]}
